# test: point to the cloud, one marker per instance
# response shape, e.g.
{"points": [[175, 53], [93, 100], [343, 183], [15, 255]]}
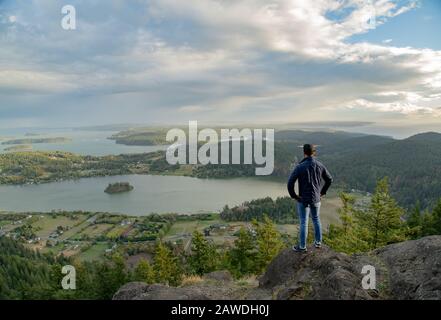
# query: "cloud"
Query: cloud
{"points": [[247, 59]]}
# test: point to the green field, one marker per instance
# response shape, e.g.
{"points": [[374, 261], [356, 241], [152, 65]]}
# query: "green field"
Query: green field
{"points": [[96, 230], [95, 252], [46, 224], [73, 232], [185, 227]]}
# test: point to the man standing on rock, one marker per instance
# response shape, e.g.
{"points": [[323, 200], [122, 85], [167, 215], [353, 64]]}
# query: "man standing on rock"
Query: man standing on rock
{"points": [[310, 173]]}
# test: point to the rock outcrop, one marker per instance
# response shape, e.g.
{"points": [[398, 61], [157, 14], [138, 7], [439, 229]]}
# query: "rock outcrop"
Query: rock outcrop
{"points": [[143, 291], [217, 285], [407, 270]]}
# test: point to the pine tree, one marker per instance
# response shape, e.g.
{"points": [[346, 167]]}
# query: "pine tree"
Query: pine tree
{"points": [[242, 256], [166, 266], [203, 258], [382, 223], [109, 277], [346, 237], [429, 223], [436, 218], [415, 222], [118, 271], [144, 272], [269, 242]]}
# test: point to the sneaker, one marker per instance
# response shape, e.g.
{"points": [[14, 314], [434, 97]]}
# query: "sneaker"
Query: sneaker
{"points": [[298, 249], [317, 245]]}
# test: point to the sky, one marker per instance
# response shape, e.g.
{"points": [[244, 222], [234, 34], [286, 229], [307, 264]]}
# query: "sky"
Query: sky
{"points": [[256, 61]]}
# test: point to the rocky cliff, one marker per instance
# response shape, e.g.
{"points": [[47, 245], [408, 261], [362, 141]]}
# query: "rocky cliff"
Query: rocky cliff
{"points": [[407, 270]]}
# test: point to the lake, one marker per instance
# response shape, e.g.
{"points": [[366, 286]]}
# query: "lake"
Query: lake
{"points": [[159, 194]]}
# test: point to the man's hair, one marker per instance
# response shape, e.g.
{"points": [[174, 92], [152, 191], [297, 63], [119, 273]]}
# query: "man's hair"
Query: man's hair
{"points": [[309, 149]]}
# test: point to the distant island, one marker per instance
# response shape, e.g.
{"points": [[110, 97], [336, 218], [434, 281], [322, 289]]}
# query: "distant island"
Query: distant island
{"points": [[118, 187], [141, 137], [21, 147], [37, 140]]}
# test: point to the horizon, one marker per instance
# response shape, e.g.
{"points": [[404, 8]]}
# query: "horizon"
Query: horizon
{"points": [[367, 128]]}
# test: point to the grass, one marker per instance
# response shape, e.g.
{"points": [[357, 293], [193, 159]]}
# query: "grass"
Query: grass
{"points": [[95, 230], [71, 233], [184, 227], [4, 223], [116, 232], [95, 252], [55, 249], [46, 224], [191, 280]]}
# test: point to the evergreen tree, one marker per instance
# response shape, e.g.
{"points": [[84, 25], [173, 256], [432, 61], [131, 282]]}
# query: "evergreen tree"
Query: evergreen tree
{"points": [[269, 243], [436, 218], [347, 237], [166, 266], [110, 277], [429, 222], [118, 271], [203, 258], [242, 256], [144, 272], [415, 222], [382, 223]]}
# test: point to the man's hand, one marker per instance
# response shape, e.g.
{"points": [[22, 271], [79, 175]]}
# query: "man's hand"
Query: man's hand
{"points": [[298, 199]]}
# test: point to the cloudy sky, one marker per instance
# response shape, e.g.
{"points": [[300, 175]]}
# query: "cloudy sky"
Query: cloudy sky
{"points": [[167, 61]]}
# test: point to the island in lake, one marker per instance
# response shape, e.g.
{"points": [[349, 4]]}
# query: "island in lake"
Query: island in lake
{"points": [[118, 187], [37, 140]]}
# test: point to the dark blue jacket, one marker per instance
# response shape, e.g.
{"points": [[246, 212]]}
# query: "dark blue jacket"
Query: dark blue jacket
{"points": [[310, 173]]}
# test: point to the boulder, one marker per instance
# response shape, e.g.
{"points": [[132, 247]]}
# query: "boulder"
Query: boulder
{"points": [[406, 270]]}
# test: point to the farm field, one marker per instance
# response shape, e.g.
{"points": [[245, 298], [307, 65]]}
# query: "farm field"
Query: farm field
{"points": [[93, 236]]}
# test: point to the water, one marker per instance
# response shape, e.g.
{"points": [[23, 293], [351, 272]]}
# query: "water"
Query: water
{"points": [[159, 194], [93, 143]]}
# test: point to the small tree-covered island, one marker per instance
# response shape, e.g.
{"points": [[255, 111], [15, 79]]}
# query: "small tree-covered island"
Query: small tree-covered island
{"points": [[118, 187]]}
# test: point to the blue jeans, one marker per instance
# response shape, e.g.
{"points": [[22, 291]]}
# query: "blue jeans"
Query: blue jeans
{"points": [[303, 211]]}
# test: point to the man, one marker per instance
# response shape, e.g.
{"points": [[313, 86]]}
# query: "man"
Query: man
{"points": [[310, 173]]}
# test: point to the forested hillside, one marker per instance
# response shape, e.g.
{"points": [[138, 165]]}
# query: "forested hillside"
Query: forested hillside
{"points": [[24, 274], [413, 166]]}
